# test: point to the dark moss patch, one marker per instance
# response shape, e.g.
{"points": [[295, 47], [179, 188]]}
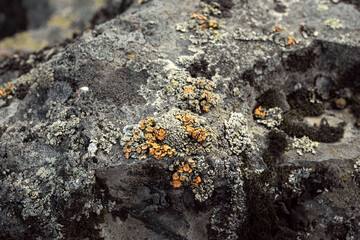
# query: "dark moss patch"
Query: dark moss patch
{"points": [[272, 98], [300, 101], [277, 142], [350, 79], [22, 90], [249, 76], [300, 61], [337, 230], [200, 69], [262, 221], [122, 213], [280, 8], [119, 84], [225, 6], [323, 133]]}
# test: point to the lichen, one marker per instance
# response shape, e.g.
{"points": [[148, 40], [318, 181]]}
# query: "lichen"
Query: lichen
{"points": [[237, 133], [271, 118], [198, 95], [333, 23], [304, 145]]}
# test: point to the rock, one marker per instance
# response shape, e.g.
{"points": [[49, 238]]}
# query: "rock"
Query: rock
{"points": [[149, 125], [340, 103], [323, 86]]}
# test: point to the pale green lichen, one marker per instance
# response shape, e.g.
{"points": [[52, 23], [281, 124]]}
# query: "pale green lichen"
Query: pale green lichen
{"points": [[304, 145], [333, 23]]}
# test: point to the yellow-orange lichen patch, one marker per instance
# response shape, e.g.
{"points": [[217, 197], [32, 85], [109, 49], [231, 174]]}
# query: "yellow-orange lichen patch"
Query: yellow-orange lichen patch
{"points": [[6, 91], [198, 16], [290, 41], [278, 28], [147, 140], [177, 183], [259, 112], [176, 176]]}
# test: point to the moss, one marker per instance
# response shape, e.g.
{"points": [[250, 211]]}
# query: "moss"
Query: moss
{"points": [[277, 143], [272, 98], [300, 61], [323, 133], [300, 101], [22, 90], [262, 222], [200, 69]]}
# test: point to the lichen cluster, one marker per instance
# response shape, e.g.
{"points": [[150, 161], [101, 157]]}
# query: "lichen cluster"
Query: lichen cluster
{"points": [[198, 96], [227, 218], [52, 187], [271, 117], [6, 90], [147, 141], [237, 133], [304, 145], [294, 180], [202, 24], [206, 23], [180, 137], [193, 172]]}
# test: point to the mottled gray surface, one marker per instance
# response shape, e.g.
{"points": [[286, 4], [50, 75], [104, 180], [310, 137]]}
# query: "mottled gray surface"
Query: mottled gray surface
{"points": [[65, 172]]}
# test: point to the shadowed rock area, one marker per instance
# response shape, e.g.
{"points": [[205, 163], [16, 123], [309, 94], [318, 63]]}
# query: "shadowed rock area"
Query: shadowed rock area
{"points": [[186, 120]]}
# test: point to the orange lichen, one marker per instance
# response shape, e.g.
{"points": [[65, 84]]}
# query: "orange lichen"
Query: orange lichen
{"points": [[149, 140], [177, 184], [203, 21], [290, 41], [198, 16], [278, 28], [176, 176], [195, 182], [193, 130], [6, 91], [199, 96], [188, 90], [186, 167], [259, 112]]}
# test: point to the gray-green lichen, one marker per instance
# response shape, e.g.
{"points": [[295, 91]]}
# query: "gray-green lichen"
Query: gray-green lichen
{"points": [[237, 133], [304, 145], [295, 178]]}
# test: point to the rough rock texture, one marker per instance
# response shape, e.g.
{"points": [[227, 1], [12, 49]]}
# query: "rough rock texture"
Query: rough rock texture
{"points": [[147, 126]]}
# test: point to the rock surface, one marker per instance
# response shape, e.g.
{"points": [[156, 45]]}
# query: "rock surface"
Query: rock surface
{"points": [[187, 120]]}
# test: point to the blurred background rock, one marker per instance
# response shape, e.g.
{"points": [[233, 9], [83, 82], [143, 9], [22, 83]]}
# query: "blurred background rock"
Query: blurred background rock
{"points": [[31, 25]]}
